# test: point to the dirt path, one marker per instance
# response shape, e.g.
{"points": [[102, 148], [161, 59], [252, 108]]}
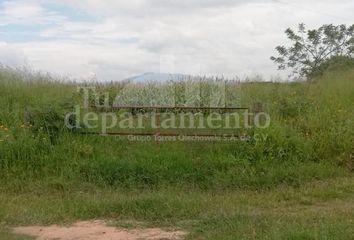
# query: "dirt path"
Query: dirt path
{"points": [[96, 230]]}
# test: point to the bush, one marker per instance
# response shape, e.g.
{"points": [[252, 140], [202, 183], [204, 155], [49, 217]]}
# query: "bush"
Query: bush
{"points": [[49, 119], [336, 63]]}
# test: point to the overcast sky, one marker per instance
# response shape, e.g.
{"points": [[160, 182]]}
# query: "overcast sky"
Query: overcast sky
{"points": [[115, 39]]}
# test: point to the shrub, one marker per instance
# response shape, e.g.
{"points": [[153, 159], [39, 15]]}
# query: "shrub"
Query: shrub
{"points": [[336, 63]]}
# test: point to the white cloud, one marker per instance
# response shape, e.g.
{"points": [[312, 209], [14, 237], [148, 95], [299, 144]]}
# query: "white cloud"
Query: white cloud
{"points": [[79, 60], [202, 36], [26, 13], [12, 56]]}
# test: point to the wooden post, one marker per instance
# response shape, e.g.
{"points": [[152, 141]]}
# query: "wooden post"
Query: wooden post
{"points": [[257, 108], [27, 116], [157, 123]]}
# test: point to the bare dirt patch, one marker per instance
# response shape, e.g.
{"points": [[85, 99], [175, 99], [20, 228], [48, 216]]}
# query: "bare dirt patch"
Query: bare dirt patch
{"points": [[96, 230]]}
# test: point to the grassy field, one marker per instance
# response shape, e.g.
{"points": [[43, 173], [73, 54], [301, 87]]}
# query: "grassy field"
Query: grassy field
{"points": [[295, 184]]}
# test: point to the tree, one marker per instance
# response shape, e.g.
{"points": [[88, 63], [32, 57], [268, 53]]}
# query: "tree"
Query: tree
{"points": [[311, 48]]}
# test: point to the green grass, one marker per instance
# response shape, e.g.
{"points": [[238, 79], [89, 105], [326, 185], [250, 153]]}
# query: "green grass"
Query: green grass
{"points": [[6, 234], [295, 184], [318, 210]]}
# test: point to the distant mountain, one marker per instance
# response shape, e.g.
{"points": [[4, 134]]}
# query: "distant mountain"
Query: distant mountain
{"points": [[157, 77]]}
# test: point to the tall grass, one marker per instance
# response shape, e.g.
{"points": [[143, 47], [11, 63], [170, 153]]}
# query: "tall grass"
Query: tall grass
{"points": [[310, 137]]}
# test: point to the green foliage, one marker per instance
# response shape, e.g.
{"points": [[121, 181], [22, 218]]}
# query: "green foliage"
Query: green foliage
{"points": [[46, 119], [312, 48], [336, 63]]}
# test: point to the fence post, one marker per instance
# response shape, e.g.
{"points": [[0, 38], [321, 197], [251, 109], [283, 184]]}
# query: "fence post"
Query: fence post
{"points": [[258, 107], [27, 116], [157, 123]]}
